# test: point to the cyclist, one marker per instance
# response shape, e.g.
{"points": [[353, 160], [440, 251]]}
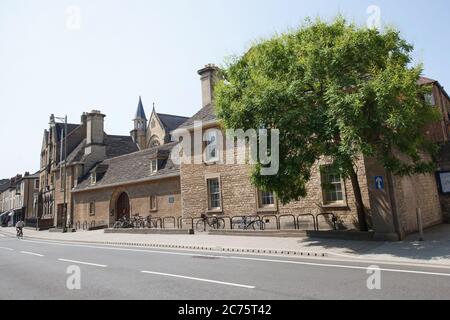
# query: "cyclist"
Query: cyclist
{"points": [[19, 228]]}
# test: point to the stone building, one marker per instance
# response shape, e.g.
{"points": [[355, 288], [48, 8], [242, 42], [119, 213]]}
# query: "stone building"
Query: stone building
{"points": [[224, 189], [146, 182], [18, 198], [150, 181], [68, 153]]}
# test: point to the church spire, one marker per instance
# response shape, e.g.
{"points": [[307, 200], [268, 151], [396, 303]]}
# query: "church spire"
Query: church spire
{"points": [[140, 113]]}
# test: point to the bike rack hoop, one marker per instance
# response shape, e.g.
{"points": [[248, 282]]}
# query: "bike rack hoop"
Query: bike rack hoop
{"points": [[333, 219], [169, 218], [287, 216], [307, 215], [264, 216]]}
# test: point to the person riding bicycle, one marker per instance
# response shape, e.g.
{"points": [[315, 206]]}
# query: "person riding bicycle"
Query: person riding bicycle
{"points": [[19, 227]]}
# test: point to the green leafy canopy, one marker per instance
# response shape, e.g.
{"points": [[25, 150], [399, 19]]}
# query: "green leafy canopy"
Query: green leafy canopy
{"points": [[332, 89]]}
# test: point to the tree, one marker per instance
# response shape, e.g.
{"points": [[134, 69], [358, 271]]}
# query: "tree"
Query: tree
{"points": [[333, 90]]}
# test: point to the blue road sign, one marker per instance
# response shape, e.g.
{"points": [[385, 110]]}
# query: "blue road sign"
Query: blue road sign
{"points": [[379, 183]]}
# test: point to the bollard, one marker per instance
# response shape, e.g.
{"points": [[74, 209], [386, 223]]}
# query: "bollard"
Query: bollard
{"points": [[420, 224]]}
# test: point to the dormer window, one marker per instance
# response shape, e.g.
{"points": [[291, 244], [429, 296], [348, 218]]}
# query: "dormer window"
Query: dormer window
{"points": [[93, 178], [154, 166]]}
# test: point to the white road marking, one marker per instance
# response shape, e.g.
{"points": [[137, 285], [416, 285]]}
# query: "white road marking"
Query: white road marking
{"points": [[86, 263], [32, 253], [370, 262], [343, 266], [8, 249], [199, 279]]}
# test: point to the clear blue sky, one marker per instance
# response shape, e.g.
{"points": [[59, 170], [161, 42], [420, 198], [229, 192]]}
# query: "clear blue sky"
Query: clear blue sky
{"points": [[127, 48]]}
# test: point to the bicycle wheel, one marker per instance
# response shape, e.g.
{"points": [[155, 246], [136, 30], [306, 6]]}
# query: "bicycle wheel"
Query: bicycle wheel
{"points": [[257, 225], [200, 226]]}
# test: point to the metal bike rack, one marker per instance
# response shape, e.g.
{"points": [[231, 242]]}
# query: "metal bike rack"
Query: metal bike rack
{"points": [[270, 216], [287, 216], [85, 225], [333, 219], [169, 218], [307, 215], [189, 219]]}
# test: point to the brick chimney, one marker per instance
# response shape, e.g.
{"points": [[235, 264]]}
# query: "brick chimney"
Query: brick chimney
{"points": [[208, 77], [95, 149]]}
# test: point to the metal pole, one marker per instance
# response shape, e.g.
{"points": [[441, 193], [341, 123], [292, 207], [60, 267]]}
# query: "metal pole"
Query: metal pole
{"points": [[420, 224], [65, 174]]}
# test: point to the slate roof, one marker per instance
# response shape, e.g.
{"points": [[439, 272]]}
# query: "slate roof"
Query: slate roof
{"points": [[4, 185], [60, 127], [171, 122], [132, 168], [207, 113], [115, 146], [425, 80]]}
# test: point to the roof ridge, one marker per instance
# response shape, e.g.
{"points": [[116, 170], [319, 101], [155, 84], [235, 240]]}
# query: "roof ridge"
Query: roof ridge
{"points": [[171, 115], [142, 151]]}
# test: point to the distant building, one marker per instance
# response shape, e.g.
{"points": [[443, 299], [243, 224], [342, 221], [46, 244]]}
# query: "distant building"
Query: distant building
{"points": [[86, 145]]}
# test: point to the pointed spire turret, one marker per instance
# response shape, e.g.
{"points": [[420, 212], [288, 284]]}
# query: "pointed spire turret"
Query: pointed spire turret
{"points": [[140, 113]]}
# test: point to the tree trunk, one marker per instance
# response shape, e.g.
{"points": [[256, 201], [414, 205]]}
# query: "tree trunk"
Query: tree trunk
{"points": [[359, 201]]}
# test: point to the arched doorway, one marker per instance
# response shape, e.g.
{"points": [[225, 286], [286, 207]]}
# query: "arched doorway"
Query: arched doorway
{"points": [[123, 207]]}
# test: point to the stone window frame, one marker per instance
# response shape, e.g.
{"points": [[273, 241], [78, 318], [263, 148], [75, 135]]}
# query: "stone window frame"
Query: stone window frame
{"points": [[155, 208], [332, 204], [92, 208], [262, 207], [36, 184], [209, 208]]}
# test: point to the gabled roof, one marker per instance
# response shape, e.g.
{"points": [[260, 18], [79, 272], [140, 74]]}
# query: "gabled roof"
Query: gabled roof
{"points": [[171, 122], [205, 114], [133, 168], [60, 127], [426, 81], [140, 112]]}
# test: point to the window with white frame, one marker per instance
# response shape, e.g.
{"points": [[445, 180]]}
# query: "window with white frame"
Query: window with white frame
{"points": [[211, 146], [93, 178], [332, 186], [214, 201], [266, 199], [153, 166]]}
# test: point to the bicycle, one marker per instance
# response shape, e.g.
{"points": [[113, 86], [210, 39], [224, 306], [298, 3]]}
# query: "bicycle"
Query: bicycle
{"points": [[151, 223], [123, 223], [247, 223], [138, 221], [19, 233], [213, 222]]}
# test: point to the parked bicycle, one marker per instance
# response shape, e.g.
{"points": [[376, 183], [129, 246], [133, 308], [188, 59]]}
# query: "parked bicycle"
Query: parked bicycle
{"points": [[246, 223], [123, 223], [138, 222], [151, 223], [213, 222]]}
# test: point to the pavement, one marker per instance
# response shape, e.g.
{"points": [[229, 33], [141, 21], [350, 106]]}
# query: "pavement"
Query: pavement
{"points": [[435, 250]]}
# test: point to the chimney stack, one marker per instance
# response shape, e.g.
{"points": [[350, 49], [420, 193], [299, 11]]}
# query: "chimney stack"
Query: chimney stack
{"points": [[208, 77], [95, 150]]}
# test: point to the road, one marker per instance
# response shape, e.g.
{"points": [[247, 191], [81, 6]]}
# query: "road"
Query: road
{"points": [[34, 269]]}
